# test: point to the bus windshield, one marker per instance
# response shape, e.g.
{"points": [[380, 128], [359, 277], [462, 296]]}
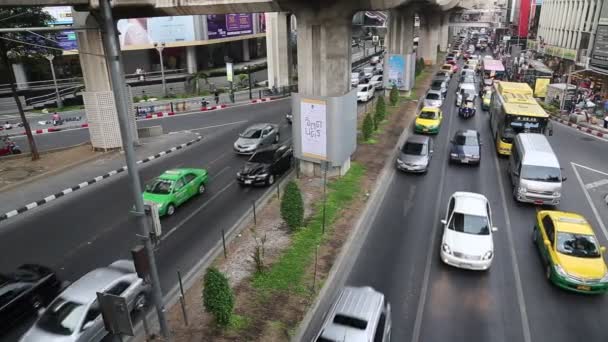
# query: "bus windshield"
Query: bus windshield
{"points": [[515, 124]]}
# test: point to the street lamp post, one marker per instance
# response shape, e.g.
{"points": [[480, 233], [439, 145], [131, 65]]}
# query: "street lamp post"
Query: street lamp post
{"points": [[249, 79], [160, 47], [59, 102]]}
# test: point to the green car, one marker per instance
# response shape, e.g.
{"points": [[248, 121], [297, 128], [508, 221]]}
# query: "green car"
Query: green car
{"points": [[175, 187]]}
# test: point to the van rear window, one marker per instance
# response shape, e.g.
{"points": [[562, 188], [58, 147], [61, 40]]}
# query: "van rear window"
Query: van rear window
{"points": [[350, 321]]}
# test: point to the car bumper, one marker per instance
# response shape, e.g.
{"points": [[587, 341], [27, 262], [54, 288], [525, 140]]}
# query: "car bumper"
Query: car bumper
{"points": [[251, 180], [465, 160], [243, 151], [539, 199], [411, 168], [427, 130], [578, 287], [475, 265]]}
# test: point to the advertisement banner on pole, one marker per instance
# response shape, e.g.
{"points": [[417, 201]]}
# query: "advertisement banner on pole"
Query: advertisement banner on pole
{"points": [[313, 120], [229, 72], [395, 72], [540, 87], [229, 25]]}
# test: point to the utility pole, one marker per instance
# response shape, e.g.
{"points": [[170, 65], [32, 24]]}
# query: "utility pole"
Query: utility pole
{"points": [[112, 50], [160, 47], [59, 102]]}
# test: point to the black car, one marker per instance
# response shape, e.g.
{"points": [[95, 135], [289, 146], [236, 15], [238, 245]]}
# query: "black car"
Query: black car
{"points": [[265, 165], [24, 292], [466, 147]]}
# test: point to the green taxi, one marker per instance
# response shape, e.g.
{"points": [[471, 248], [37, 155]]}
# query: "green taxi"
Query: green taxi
{"points": [[570, 251], [174, 187], [428, 121]]}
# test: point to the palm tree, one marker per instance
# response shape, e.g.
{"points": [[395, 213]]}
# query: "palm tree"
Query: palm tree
{"points": [[197, 77]]}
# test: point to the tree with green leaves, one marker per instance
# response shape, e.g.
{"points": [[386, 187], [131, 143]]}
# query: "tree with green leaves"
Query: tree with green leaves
{"points": [[368, 127], [218, 298], [292, 206], [196, 78], [380, 111], [394, 96], [23, 46]]}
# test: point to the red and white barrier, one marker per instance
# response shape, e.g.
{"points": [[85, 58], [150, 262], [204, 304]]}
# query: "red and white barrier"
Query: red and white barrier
{"points": [[588, 130]]}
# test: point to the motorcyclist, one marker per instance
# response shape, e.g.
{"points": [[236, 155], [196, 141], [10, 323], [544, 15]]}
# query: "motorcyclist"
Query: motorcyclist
{"points": [[56, 118]]}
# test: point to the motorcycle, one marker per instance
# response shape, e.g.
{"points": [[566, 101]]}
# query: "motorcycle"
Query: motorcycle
{"points": [[467, 109], [9, 147]]}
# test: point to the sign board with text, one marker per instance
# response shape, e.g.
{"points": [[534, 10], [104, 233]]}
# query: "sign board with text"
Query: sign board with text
{"points": [[313, 120]]}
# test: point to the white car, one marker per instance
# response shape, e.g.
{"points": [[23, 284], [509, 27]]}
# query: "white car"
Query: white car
{"points": [[374, 60], [377, 82], [467, 89], [355, 78], [368, 72], [365, 92], [467, 234]]}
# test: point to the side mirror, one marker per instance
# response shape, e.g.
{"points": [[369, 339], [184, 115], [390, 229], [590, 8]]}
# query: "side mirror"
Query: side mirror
{"points": [[444, 222], [494, 229], [547, 243], [564, 179]]}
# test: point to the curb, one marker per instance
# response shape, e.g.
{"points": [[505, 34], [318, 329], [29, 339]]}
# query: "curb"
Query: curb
{"points": [[50, 198], [584, 129], [357, 237], [50, 130]]}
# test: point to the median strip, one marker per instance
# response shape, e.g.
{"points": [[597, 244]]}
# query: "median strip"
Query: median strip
{"points": [[94, 180]]}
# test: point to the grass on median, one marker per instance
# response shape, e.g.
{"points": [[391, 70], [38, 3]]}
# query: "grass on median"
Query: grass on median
{"points": [[287, 273]]}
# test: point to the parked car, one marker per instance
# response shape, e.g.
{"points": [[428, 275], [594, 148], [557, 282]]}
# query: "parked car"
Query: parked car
{"points": [[433, 98], [174, 187], [415, 155], [75, 316], [376, 82], [467, 232], [440, 85], [257, 136], [25, 291], [466, 147], [265, 165], [365, 92], [571, 254]]}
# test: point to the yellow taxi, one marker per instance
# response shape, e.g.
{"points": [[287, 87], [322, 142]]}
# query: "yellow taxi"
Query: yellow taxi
{"points": [[486, 99], [570, 251], [428, 120], [448, 68]]}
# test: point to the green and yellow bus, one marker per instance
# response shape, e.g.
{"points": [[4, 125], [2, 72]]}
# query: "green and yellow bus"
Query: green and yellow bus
{"points": [[514, 110]]}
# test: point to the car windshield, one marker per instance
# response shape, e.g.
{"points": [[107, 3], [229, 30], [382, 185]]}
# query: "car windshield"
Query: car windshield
{"points": [[252, 133], [159, 186], [446, 67], [427, 114], [469, 224], [467, 140], [414, 148], [468, 79], [541, 173], [432, 96], [264, 157], [436, 85], [579, 245], [61, 317], [440, 74]]}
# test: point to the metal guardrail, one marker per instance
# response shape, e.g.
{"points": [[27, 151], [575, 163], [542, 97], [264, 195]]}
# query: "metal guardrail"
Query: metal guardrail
{"points": [[52, 95]]}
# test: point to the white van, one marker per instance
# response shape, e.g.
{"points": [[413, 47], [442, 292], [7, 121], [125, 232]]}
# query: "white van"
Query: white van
{"points": [[365, 92], [361, 314], [534, 170]]}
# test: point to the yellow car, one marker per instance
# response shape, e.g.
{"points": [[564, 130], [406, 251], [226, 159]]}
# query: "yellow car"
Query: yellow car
{"points": [[570, 251], [428, 121], [486, 99], [448, 68]]}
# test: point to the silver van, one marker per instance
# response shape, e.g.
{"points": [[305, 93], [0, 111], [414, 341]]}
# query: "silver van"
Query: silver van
{"points": [[534, 170], [360, 314]]}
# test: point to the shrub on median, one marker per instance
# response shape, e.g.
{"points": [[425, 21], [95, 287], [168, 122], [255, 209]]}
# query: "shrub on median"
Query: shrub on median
{"points": [[292, 206], [368, 127], [218, 298], [380, 111], [394, 96]]}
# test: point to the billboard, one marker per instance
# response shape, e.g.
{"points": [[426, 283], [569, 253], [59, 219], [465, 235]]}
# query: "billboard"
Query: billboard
{"points": [[145, 31], [67, 40], [62, 15], [313, 121], [599, 57], [540, 87], [395, 71], [229, 25]]}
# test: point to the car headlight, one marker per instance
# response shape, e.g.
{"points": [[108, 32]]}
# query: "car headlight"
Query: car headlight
{"points": [[263, 175], [488, 255], [455, 155], [522, 190], [446, 249], [605, 278], [400, 162], [251, 147], [238, 174], [559, 270], [556, 193]]}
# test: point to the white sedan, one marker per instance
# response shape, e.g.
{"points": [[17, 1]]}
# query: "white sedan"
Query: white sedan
{"points": [[467, 234]]}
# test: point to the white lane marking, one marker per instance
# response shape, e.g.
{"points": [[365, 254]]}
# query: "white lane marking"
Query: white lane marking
{"points": [[207, 127], [182, 222], [593, 208], [525, 324], [432, 250], [590, 169], [597, 184]]}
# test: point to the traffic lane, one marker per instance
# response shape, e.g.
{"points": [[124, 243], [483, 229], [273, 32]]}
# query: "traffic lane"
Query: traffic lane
{"points": [[555, 314], [472, 305], [58, 218], [50, 141]]}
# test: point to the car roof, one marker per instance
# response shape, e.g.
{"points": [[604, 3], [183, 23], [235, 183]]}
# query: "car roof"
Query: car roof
{"points": [[538, 150], [568, 222], [470, 203], [418, 138], [467, 86], [173, 174], [433, 91], [467, 132], [84, 290]]}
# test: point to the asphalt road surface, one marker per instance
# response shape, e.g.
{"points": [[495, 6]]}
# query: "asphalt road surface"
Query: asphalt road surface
{"points": [[513, 301]]}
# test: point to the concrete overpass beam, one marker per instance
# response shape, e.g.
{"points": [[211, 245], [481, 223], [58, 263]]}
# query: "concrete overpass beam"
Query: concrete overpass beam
{"points": [[99, 104], [277, 49]]}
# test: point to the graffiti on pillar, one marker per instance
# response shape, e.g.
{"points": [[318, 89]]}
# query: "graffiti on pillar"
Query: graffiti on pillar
{"points": [[313, 121], [396, 71]]}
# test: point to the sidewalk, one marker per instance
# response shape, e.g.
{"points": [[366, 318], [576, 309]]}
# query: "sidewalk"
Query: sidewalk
{"points": [[42, 187]]}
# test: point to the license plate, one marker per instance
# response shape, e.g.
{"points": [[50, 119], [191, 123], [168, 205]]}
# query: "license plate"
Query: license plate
{"points": [[538, 202], [425, 129], [464, 265], [248, 182], [465, 160], [583, 288]]}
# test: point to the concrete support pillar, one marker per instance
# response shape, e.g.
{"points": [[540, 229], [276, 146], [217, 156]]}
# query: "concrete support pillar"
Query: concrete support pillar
{"points": [[191, 59], [443, 31], [401, 42], [429, 36], [277, 49], [20, 76], [99, 104], [246, 57]]}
